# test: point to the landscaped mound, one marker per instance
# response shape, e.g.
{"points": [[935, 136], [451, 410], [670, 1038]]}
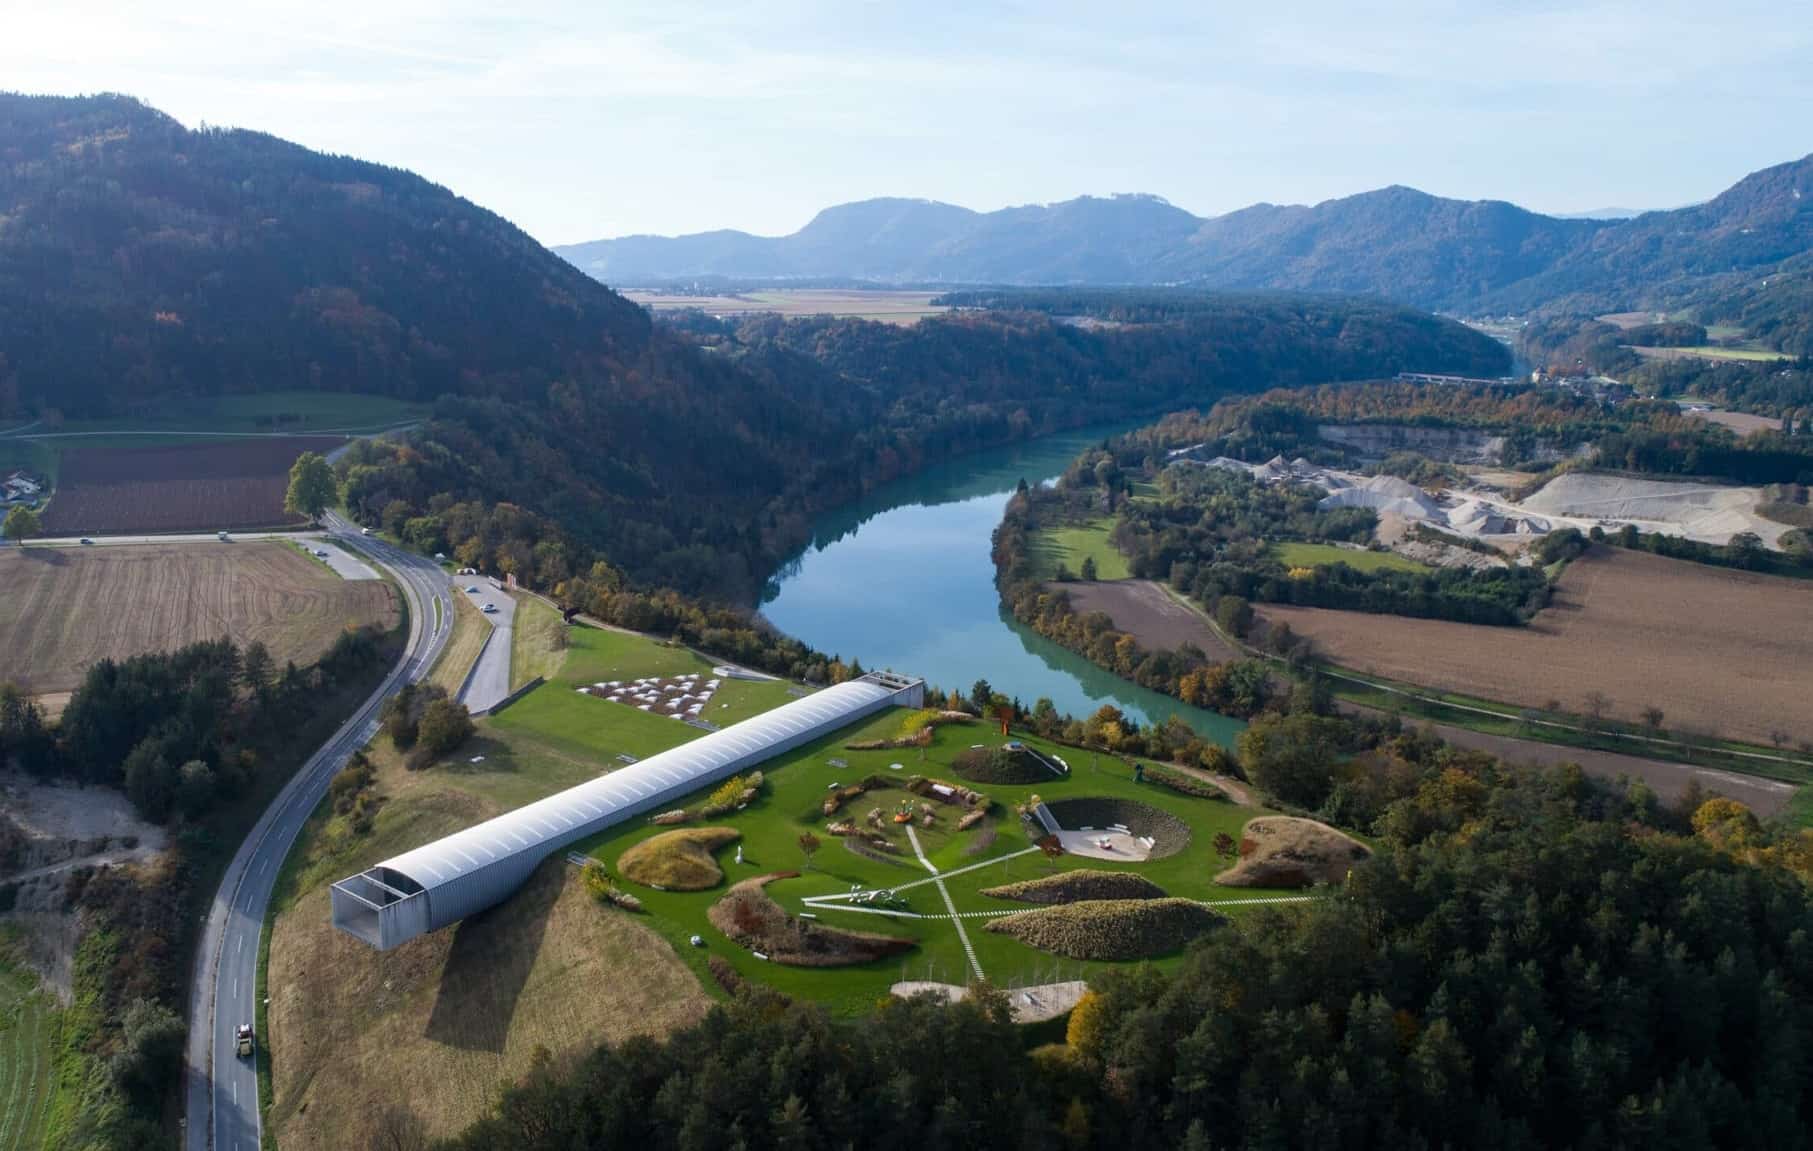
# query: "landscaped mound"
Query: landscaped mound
{"points": [[1113, 929], [751, 919], [1000, 765], [1077, 886], [1168, 833], [1283, 851], [678, 860]]}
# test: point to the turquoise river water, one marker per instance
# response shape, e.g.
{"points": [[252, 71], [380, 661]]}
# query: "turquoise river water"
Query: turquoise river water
{"points": [[903, 579]]}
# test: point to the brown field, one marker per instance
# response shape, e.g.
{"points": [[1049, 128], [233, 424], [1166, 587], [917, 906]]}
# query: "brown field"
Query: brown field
{"points": [[1743, 423], [1143, 610], [438, 1025], [65, 608], [235, 484], [1718, 651], [886, 306]]}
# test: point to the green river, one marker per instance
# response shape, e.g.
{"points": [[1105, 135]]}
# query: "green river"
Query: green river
{"points": [[903, 579]]}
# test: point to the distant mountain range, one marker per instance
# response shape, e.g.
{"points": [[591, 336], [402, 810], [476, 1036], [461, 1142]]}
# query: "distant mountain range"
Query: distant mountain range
{"points": [[1455, 255]]}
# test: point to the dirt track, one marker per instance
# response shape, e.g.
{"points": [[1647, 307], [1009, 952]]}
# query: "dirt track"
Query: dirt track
{"points": [[66, 608], [1718, 651], [1143, 610]]}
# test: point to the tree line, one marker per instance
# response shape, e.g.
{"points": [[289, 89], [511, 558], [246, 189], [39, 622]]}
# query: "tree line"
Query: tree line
{"points": [[1532, 959]]}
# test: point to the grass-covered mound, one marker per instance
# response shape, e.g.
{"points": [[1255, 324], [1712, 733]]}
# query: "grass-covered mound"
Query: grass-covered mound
{"points": [[1284, 851], [678, 860], [1113, 929], [752, 920], [1169, 834], [1011, 765], [1077, 886]]}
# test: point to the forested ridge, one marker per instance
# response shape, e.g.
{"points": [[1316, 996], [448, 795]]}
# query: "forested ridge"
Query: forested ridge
{"points": [[140, 260]]}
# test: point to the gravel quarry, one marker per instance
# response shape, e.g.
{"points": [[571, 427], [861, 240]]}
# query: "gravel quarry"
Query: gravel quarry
{"points": [[1708, 513]]}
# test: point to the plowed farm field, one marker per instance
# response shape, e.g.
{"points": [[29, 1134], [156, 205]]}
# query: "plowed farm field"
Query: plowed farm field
{"points": [[65, 608], [1718, 651], [235, 484]]}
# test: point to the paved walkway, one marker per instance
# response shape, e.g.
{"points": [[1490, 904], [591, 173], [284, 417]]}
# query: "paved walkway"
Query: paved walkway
{"points": [[969, 948]]}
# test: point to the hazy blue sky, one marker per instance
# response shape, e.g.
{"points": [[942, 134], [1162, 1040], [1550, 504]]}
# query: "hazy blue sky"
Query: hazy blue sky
{"points": [[588, 119]]}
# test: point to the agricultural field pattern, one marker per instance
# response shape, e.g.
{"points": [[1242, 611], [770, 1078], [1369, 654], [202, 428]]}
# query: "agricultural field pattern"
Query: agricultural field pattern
{"points": [[66, 608], [235, 485]]}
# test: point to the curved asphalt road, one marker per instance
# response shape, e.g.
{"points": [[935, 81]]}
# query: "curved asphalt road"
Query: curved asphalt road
{"points": [[221, 1103]]}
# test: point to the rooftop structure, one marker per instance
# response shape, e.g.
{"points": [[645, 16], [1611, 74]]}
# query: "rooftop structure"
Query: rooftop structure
{"points": [[443, 882]]}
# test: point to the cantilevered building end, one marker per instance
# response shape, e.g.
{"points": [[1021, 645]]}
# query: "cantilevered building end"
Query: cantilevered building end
{"points": [[441, 883]]}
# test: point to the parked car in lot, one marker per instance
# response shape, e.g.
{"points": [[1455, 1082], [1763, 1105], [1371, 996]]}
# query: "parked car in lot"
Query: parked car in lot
{"points": [[490, 609], [321, 553], [86, 540], [472, 588]]}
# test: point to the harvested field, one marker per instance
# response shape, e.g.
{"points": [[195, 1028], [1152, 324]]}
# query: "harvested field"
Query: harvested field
{"points": [[236, 484], [754, 921], [1110, 929], [1284, 851], [1718, 651], [1077, 886], [1143, 610], [463, 1009], [884, 305], [678, 860], [65, 608], [1743, 423]]}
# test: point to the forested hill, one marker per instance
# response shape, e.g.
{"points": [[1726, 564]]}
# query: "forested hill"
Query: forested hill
{"points": [[138, 257], [1455, 255], [141, 260]]}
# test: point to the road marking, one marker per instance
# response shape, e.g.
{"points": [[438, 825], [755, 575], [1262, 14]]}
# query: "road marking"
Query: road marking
{"points": [[235, 1097], [240, 946], [236, 987]]}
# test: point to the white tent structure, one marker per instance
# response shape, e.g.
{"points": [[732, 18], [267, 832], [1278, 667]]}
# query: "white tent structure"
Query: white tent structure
{"points": [[442, 882]]}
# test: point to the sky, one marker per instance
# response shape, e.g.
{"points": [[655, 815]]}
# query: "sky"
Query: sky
{"points": [[584, 120]]}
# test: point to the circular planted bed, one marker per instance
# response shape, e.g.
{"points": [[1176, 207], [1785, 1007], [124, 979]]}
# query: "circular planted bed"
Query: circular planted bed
{"points": [[1010, 765], [1156, 834]]}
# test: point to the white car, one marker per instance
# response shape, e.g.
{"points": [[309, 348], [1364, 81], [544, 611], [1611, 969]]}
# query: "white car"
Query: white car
{"points": [[320, 553], [489, 609], [364, 531]]}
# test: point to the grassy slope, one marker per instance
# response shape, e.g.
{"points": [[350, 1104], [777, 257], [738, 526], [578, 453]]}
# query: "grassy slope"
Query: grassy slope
{"points": [[1071, 544], [1302, 555], [29, 1022], [537, 642], [463, 646]]}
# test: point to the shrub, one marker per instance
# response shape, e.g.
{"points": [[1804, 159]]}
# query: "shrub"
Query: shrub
{"points": [[444, 726], [679, 860], [1111, 929], [1078, 886], [753, 920], [1183, 783]]}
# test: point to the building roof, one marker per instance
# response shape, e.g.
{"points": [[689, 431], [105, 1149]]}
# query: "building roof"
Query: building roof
{"points": [[691, 764]]}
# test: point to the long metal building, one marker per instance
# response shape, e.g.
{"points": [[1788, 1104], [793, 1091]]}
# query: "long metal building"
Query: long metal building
{"points": [[442, 882]]}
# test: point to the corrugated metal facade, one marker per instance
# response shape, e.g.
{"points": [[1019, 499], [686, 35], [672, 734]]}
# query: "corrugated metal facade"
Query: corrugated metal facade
{"points": [[443, 882]]}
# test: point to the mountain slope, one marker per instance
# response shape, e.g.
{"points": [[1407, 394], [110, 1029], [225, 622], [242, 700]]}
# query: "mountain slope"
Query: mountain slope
{"points": [[1397, 242], [141, 261]]}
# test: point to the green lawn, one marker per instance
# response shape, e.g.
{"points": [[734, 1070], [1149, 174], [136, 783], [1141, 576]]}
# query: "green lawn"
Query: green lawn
{"points": [[1302, 555], [537, 641], [789, 806], [1071, 544], [1753, 354], [28, 1034]]}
